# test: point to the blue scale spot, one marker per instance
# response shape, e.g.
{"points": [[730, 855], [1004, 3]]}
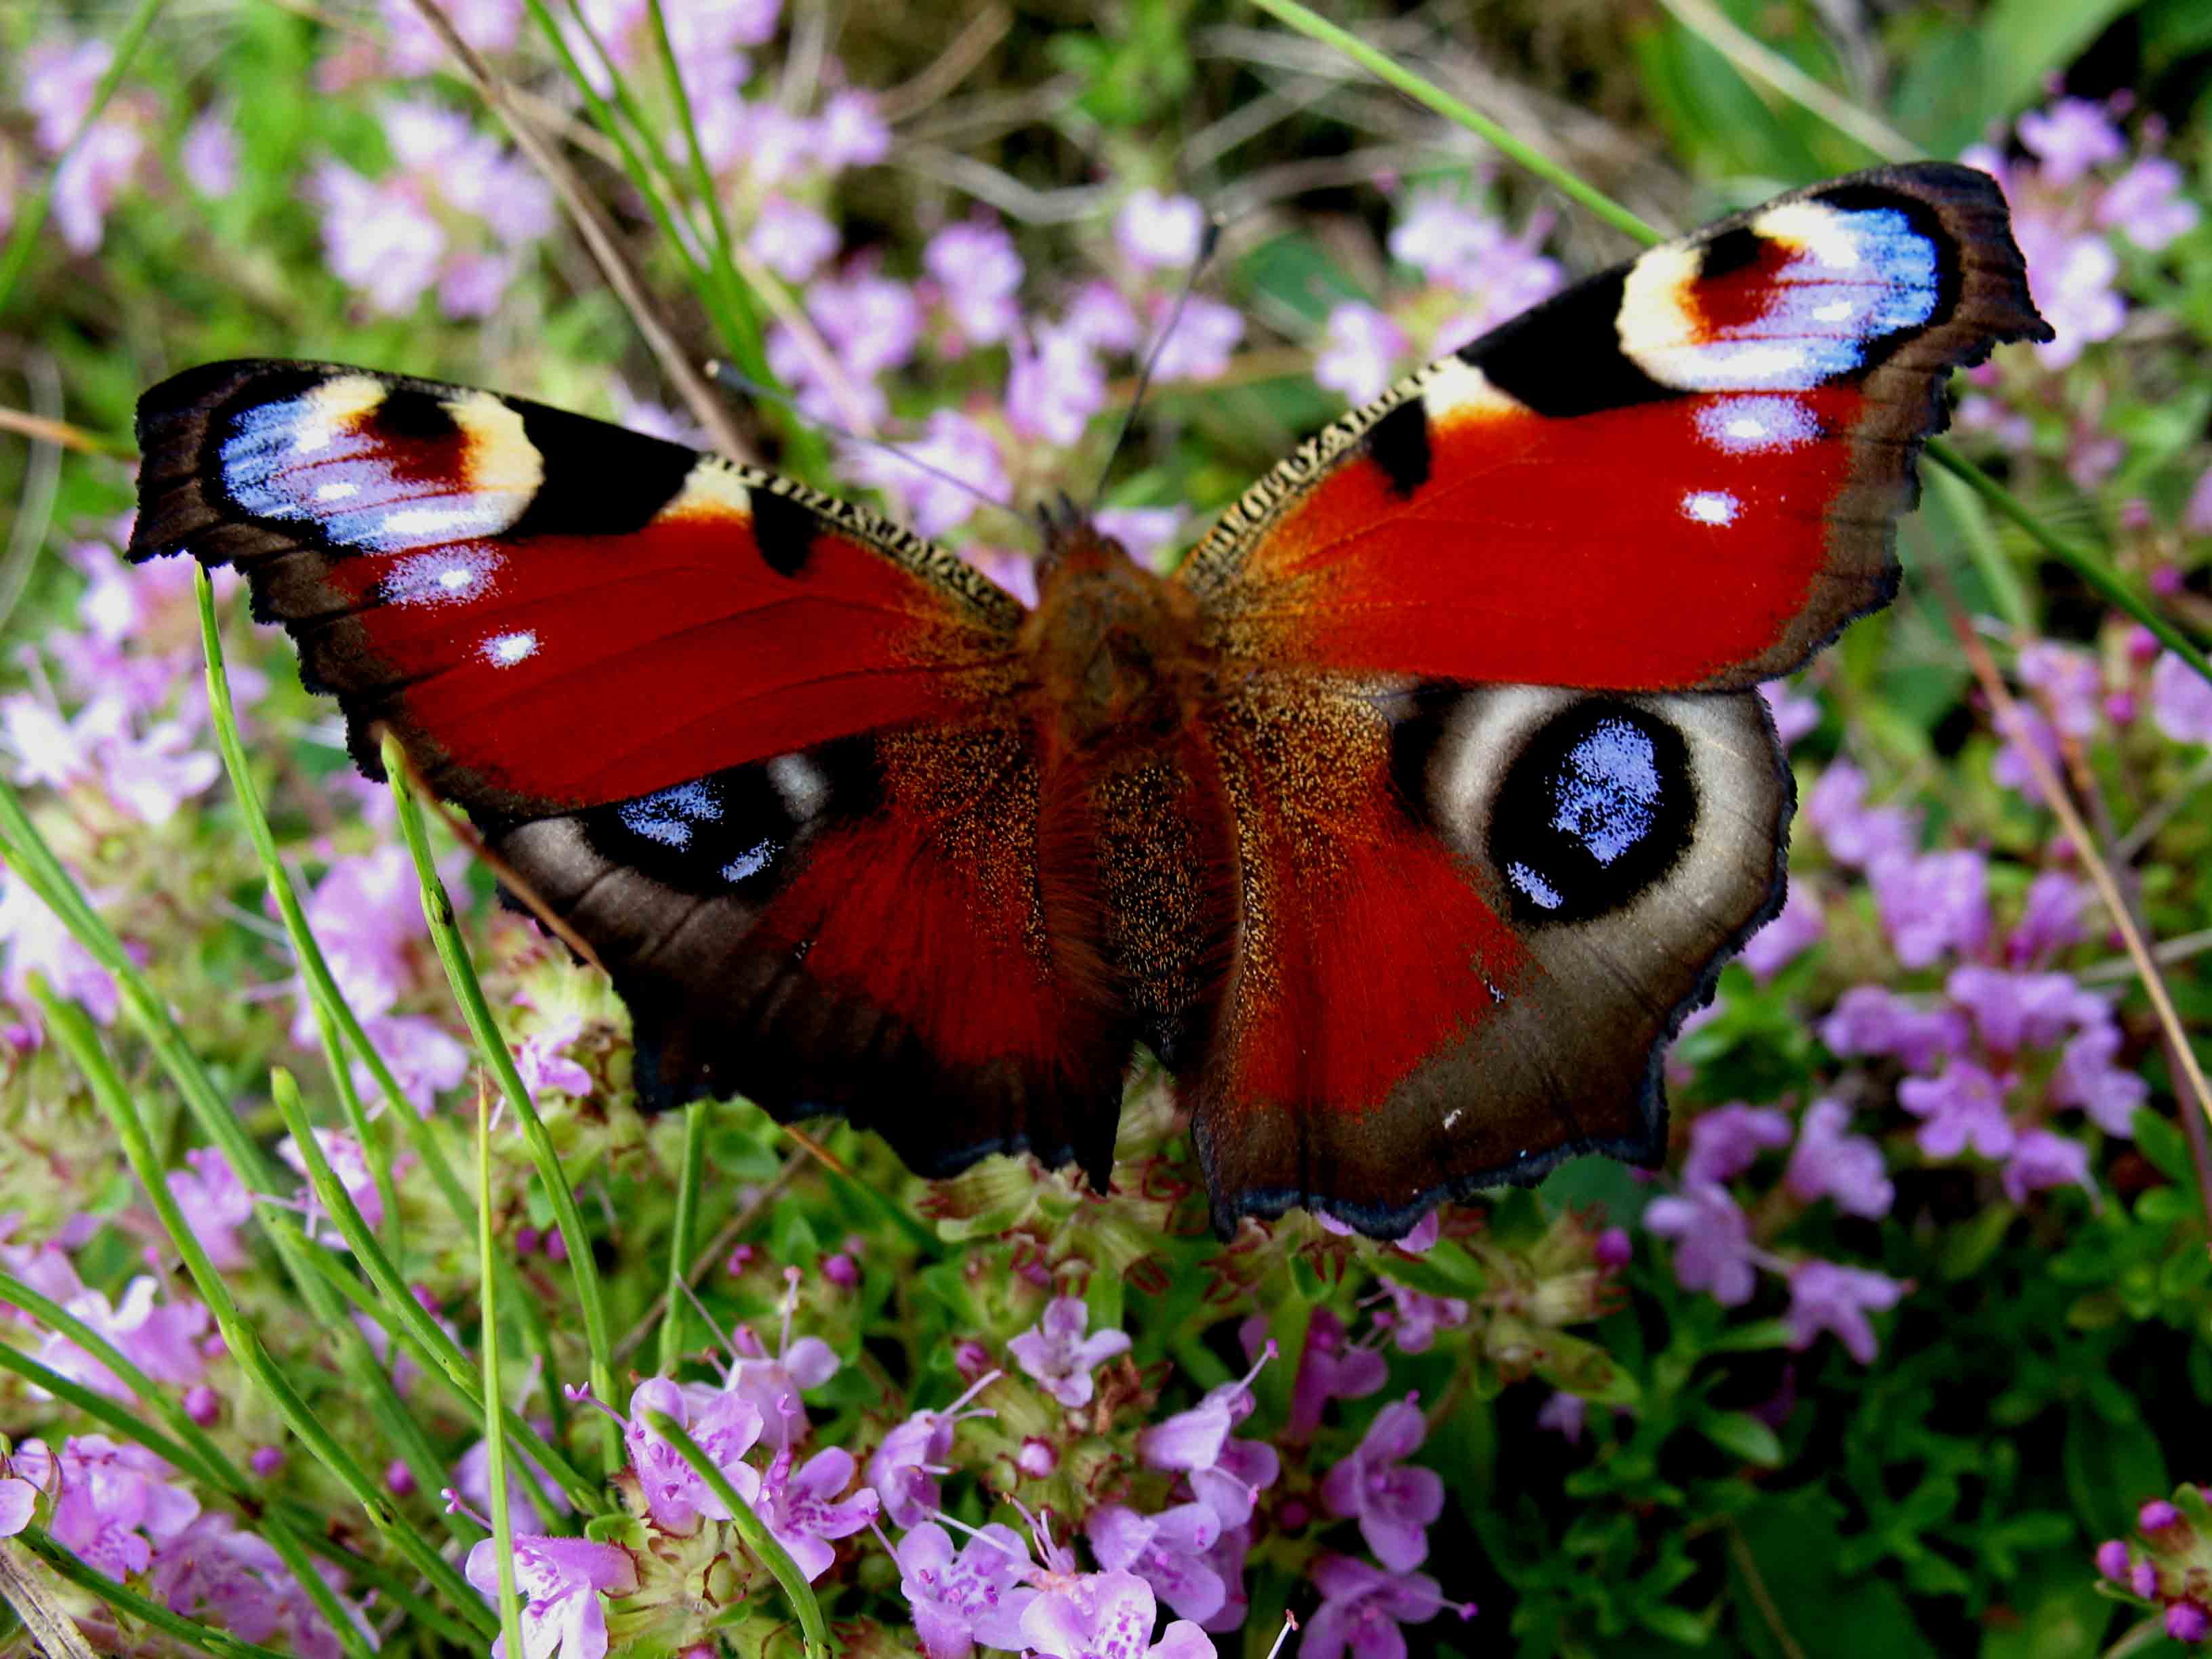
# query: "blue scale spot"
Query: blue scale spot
{"points": [[1606, 795], [671, 816]]}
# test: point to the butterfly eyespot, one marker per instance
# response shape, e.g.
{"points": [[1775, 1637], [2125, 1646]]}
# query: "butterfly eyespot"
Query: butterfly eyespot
{"points": [[1597, 806]]}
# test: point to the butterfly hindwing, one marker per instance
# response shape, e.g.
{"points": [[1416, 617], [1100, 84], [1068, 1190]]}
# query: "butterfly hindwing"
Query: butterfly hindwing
{"points": [[1681, 474], [754, 747]]}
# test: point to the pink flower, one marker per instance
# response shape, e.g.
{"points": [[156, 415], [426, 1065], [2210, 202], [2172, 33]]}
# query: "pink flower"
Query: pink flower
{"points": [[975, 265], [1146, 531], [1795, 930], [1857, 836], [215, 1203], [1165, 1550], [1712, 1243], [958, 1601], [90, 178], [1198, 348], [1728, 1141], [2041, 1160], [2086, 1078], [1155, 231], [1362, 351], [1225, 1474], [2015, 1012], [1933, 904], [1362, 1608], [2072, 276], [872, 321], [905, 1467], [1106, 1615], [2181, 698], [348, 1163], [848, 133], [1101, 319], [423, 1058], [803, 1510], [366, 915], [1827, 1296], [1329, 1369], [1053, 387], [724, 1427], [37, 941], [559, 1580], [2069, 682], [791, 240], [163, 1340], [209, 156], [1829, 1163], [1565, 1414], [1057, 1353], [2049, 919], [59, 81], [1395, 1503], [113, 1503], [1871, 1019], [1414, 1316], [534, 1497], [2070, 137], [544, 1067], [19, 1500], [1793, 715], [952, 443], [1963, 1106]]}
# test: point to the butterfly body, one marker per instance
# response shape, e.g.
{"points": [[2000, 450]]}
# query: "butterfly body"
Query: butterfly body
{"points": [[1405, 821]]}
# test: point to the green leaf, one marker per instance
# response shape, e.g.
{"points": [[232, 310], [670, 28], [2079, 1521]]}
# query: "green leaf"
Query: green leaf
{"points": [[2110, 1467], [1792, 1544], [1743, 1436]]}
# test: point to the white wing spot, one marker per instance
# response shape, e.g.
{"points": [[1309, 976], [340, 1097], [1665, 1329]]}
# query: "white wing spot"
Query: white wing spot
{"points": [[1711, 506], [506, 650], [339, 492], [802, 785], [1454, 1115]]}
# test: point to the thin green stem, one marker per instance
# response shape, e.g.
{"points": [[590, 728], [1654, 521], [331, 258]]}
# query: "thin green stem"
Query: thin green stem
{"points": [[758, 1538], [2094, 571], [1381, 66], [72, 1028], [702, 178], [397, 1308], [205, 1638], [491, 1046], [33, 218], [494, 1423], [687, 1183]]}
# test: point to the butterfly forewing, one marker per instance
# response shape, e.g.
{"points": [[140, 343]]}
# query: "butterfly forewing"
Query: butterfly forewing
{"points": [[755, 748]]}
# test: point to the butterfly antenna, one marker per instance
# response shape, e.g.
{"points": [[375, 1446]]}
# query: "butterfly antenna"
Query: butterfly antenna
{"points": [[1206, 243], [737, 382]]}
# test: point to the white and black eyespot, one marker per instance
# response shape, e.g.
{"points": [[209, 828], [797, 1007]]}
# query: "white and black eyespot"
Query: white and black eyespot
{"points": [[1597, 804], [736, 830]]}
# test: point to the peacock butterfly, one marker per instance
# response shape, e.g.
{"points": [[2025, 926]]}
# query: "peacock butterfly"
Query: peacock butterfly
{"points": [[1405, 822]]}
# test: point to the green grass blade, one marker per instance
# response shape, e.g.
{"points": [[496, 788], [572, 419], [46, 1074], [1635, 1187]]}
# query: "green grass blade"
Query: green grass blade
{"points": [[73, 1029], [491, 1046], [1423, 91], [688, 1179], [750, 1528], [398, 1310], [494, 1424]]}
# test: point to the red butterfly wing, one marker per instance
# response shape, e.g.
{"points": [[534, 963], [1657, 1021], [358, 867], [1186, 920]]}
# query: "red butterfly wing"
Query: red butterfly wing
{"points": [[759, 749], [552, 612], [1474, 909], [1683, 474]]}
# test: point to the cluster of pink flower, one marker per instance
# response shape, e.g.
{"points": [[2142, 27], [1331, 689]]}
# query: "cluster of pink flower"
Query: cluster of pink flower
{"points": [[59, 79], [2171, 1569], [2082, 197], [2005, 1045], [116, 1505]]}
